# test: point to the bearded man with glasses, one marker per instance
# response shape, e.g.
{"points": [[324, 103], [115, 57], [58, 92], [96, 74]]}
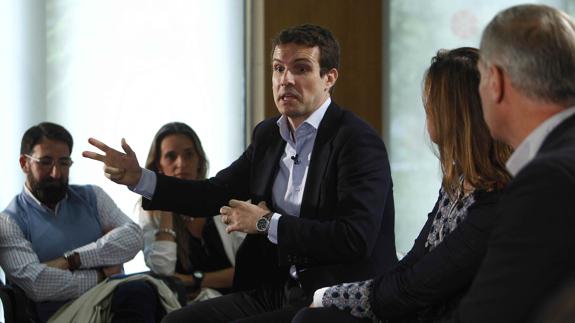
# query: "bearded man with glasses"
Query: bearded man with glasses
{"points": [[58, 241]]}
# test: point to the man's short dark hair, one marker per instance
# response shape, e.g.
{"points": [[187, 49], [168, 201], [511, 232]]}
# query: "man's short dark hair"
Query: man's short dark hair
{"points": [[311, 36], [43, 130]]}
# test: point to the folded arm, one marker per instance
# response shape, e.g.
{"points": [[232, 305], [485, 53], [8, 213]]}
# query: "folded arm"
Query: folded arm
{"points": [[40, 281], [122, 239]]}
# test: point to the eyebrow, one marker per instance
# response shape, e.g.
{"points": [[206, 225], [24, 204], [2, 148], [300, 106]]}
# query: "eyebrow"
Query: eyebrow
{"points": [[297, 60], [191, 148]]}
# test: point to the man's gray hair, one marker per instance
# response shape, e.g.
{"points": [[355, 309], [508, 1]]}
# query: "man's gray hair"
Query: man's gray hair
{"points": [[535, 45]]}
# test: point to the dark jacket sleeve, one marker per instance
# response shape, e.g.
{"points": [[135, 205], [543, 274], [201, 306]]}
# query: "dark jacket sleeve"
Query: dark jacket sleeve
{"points": [[426, 279], [205, 197]]}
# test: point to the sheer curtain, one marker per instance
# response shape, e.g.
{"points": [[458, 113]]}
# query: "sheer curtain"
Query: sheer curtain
{"points": [[112, 69], [418, 29]]}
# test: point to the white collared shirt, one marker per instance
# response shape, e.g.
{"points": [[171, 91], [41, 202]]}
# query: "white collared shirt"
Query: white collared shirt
{"points": [[529, 147]]}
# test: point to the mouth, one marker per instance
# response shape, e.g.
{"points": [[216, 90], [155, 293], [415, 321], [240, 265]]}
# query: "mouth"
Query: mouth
{"points": [[288, 96]]}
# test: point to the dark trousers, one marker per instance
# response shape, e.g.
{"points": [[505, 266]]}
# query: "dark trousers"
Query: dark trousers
{"points": [[326, 315], [270, 304], [136, 301]]}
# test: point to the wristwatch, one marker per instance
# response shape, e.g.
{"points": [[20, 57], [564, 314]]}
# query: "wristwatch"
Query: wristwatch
{"points": [[263, 223], [198, 277], [73, 260]]}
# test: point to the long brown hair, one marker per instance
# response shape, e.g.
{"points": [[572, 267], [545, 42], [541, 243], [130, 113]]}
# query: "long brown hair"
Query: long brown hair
{"points": [[152, 163], [452, 103]]}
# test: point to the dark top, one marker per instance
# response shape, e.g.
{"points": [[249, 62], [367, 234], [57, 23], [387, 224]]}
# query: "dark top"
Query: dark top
{"points": [[206, 254], [428, 282], [532, 248], [531, 251], [345, 231]]}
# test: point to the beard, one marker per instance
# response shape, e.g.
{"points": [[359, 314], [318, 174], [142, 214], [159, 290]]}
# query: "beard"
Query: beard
{"points": [[48, 190]]}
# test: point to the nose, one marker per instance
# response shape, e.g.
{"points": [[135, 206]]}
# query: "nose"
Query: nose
{"points": [[286, 78], [56, 171], [180, 162]]}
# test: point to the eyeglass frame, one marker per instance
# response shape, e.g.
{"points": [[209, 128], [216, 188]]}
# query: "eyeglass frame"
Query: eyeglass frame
{"points": [[64, 162]]}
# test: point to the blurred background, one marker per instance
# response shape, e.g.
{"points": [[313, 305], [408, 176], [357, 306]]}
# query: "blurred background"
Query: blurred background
{"points": [[121, 69]]}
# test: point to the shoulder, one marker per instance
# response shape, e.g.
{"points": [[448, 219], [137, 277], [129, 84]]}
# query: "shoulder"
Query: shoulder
{"points": [[552, 169], [266, 126], [83, 190], [482, 212], [349, 132], [346, 125], [8, 226], [85, 193], [16, 206], [544, 187], [16, 216], [346, 119], [20, 209], [484, 197]]}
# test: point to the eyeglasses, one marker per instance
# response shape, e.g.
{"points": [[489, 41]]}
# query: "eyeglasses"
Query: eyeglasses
{"points": [[49, 162]]}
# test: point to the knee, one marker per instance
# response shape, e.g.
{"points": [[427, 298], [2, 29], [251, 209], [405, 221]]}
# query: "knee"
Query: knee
{"points": [[137, 289], [305, 315], [177, 316]]}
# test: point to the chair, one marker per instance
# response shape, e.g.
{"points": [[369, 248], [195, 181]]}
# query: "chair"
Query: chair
{"points": [[18, 308]]}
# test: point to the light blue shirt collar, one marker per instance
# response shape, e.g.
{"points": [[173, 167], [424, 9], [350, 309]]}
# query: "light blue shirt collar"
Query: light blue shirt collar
{"points": [[527, 150], [313, 120]]}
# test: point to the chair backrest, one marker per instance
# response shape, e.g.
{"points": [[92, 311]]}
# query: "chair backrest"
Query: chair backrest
{"points": [[17, 307]]}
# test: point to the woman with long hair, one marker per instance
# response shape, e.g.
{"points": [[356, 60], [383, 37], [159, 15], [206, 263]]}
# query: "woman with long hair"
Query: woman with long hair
{"points": [[428, 282], [195, 250]]}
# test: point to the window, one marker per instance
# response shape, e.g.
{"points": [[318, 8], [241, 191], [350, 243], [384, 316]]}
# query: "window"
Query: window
{"points": [[111, 69], [418, 29]]}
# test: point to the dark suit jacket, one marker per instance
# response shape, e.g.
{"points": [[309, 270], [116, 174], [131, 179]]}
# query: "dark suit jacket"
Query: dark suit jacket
{"points": [[345, 231], [532, 248], [427, 285]]}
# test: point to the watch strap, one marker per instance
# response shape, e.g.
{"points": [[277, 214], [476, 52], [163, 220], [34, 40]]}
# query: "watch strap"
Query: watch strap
{"points": [[168, 231], [73, 260], [198, 278]]}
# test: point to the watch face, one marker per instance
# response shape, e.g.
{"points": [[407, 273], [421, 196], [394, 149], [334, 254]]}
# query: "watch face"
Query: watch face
{"points": [[262, 224], [198, 274]]}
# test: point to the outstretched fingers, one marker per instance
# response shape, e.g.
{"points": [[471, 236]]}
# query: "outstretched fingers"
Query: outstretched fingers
{"points": [[127, 149], [100, 145]]}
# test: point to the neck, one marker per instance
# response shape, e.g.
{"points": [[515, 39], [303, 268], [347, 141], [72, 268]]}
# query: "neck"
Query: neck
{"points": [[293, 124], [528, 119]]}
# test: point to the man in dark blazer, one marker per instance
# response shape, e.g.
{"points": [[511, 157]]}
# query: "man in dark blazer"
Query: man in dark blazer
{"points": [[527, 90], [318, 182]]}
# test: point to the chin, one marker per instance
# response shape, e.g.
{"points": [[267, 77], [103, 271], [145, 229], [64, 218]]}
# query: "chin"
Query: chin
{"points": [[185, 176]]}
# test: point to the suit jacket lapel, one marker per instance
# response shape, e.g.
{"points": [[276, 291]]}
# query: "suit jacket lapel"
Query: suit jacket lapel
{"points": [[321, 153], [267, 167]]}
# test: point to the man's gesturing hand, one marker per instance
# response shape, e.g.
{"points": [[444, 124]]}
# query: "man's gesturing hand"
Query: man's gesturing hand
{"points": [[121, 168]]}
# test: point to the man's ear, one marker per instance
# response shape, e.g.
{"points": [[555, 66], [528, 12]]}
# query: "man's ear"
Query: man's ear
{"points": [[331, 78], [497, 83], [24, 164]]}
